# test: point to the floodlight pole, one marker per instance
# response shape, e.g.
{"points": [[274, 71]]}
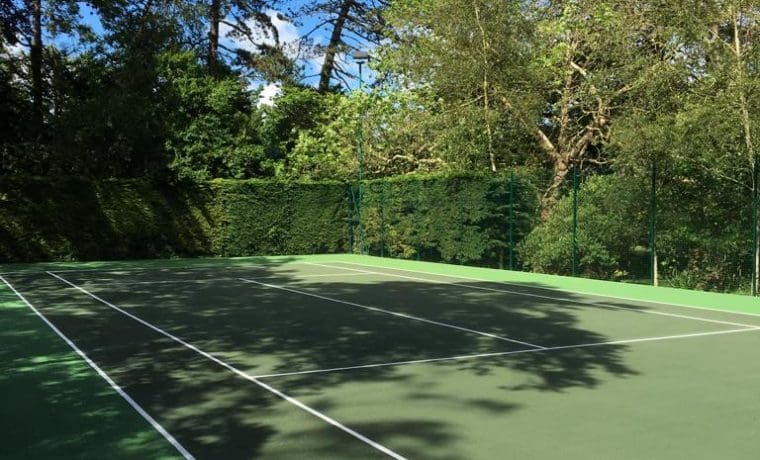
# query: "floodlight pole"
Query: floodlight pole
{"points": [[755, 249], [361, 58], [575, 220], [653, 226]]}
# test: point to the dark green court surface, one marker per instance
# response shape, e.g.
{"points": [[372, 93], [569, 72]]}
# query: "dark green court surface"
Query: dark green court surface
{"points": [[357, 357]]}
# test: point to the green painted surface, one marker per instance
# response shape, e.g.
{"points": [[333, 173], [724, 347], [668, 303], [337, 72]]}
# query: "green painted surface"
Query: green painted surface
{"points": [[54, 405], [684, 397], [622, 291], [690, 400]]}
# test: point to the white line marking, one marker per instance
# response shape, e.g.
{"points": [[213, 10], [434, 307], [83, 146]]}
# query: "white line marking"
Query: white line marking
{"points": [[390, 312], [242, 374], [553, 289], [96, 282], [515, 352], [137, 269], [157, 426], [526, 294]]}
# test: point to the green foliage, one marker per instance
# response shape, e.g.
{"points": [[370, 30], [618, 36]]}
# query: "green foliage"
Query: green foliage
{"points": [[703, 239], [706, 229], [211, 131], [78, 219], [296, 111], [264, 217], [612, 231], [459, 218], [398, 133]]}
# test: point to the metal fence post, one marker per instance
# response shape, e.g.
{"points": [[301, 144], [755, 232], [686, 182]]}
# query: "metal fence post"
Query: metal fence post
{"points": [[575, 220], [511, 221], [653, 227], [755, 258], [382, 218], [351, 214]]}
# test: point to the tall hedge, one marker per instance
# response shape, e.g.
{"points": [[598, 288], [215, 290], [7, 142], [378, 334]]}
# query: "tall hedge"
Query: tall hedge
{"points": [[262, 217], [79, 219], [457, 218], [453, 218]]}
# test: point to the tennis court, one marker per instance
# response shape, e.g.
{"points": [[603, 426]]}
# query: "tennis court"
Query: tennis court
{"points": [[351, 356]]}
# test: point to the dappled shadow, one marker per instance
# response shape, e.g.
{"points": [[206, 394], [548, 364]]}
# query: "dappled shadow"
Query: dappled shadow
{"points": [[262, 330], [78, 219], [53, 405]]}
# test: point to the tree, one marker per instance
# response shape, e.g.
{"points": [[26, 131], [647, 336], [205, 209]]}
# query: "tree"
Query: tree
{"points": [[325, 144], [249, 21], [12, 21], [24, 24], [210, 130], [351, 24], [35, 56], [562, 72]]}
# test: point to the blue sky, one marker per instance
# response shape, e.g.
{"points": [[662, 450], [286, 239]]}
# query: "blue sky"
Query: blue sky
{"points": [[289, 30]]}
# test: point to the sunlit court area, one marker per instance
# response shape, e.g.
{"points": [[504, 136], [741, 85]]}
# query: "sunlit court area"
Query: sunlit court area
{"points": [[361, 357]]}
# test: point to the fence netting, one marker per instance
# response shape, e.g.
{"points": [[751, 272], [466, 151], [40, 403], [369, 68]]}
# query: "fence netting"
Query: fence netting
{"points": [[667, 225]]}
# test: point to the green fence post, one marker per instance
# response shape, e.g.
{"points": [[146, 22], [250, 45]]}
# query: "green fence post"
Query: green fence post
{"points": [[575, 220], [360, 161], [511, 220], [382, 218], [351, 213], [754, 226], [418, 243], [653, 228]]}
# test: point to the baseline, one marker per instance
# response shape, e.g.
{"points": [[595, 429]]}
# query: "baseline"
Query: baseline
{"points": [[393, 313], [538, 296], [514, 352], [213, 280], [143, 413], [145, 269], [240, 373]]}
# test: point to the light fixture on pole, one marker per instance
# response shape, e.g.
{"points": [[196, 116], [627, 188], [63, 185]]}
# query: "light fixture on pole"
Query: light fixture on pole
{"points": [[361, 58]]}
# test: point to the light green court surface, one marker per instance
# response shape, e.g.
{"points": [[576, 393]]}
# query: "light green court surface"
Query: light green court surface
{"points": [[350, 356]]}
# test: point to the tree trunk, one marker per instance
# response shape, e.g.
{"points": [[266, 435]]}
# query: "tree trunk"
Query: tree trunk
{"points": [[485, 51], [328, 66], [35, 55], [554, 192], [213, 37], [487, 120]]}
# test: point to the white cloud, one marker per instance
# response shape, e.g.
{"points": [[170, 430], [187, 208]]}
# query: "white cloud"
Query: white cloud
{"points": [[15, 50], [268, 94], [288, 34]]}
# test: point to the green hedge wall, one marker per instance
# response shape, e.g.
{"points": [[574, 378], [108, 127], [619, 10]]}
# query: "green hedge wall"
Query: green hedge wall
{"points": [[456, 218], [259, 217], [78, 219], [452, 218]]}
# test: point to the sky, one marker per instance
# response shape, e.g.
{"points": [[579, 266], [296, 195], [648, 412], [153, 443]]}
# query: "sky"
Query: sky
{"points": [[289, 33]]}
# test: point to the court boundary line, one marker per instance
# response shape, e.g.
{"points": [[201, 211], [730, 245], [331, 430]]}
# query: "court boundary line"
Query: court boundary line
{"points": [[394, 313], [246, 376], [135, 269], [513, 352], [553, 289], [209, 280], [121, 392], [539, 296]]}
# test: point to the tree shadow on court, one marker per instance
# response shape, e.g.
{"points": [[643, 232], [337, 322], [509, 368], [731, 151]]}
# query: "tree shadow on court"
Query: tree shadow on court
{"points": [[54, 405], [262, 330]]}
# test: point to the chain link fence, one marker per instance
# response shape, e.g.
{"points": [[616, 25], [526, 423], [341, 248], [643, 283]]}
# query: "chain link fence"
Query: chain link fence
{"points": [[664, 225]]}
